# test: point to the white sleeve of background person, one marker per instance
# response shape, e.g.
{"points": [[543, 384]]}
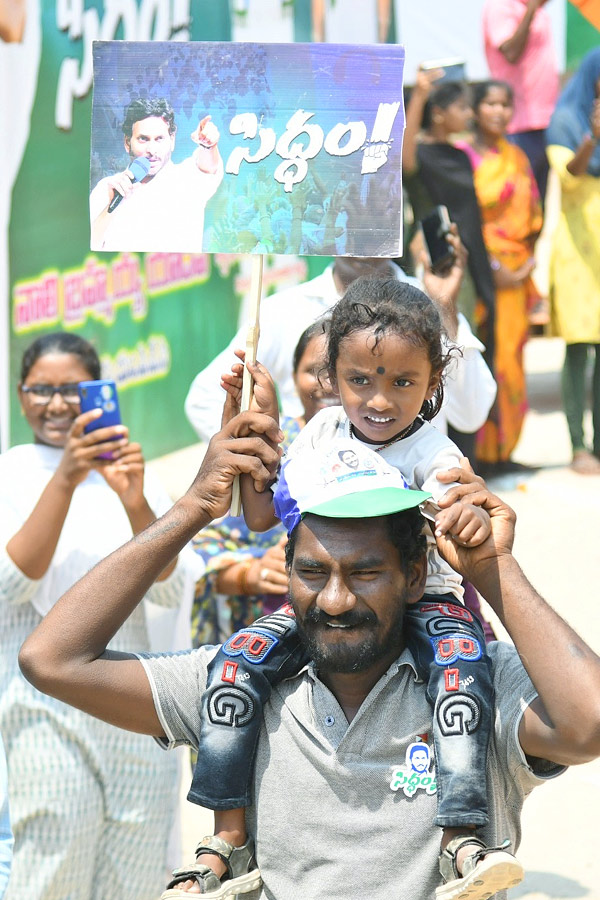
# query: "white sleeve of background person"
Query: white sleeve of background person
{"points": [[205, 398], [168, 603], [204, 402], [283, 318], [469, 389]]}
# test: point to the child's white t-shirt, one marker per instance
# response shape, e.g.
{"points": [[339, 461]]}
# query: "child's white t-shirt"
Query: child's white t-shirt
{"points": [[419, 457]]}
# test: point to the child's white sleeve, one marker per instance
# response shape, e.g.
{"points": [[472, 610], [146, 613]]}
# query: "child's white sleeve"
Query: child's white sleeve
{"points": [[446, 456], [322, 428]]}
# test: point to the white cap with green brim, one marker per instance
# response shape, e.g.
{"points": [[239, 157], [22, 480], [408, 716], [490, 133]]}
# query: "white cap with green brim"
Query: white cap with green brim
{"points": [[343, 480]]}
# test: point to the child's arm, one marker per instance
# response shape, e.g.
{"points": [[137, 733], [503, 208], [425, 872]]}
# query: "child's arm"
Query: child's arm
{"points": [[257, 506], [467, 523]]}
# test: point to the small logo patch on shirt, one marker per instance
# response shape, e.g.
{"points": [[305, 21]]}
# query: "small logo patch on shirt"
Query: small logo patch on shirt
{"points": [[414, 775], [254, 644]]}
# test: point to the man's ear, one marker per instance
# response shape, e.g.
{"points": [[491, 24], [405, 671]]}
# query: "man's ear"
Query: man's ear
{"points": [[127, 143], [416, 580]]}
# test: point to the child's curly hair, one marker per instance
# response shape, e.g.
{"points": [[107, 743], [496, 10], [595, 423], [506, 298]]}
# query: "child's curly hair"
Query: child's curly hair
{"points": [[383, 306]]}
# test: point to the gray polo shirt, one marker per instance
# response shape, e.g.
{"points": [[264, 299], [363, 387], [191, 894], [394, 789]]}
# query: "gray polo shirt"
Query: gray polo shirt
{"points": [[331, 819]]}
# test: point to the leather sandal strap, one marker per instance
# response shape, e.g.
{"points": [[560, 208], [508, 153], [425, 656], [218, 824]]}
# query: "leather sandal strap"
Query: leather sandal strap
{"points": [[238, 860], [201, 874], [447, 862], [217, 847], [474, 858]]}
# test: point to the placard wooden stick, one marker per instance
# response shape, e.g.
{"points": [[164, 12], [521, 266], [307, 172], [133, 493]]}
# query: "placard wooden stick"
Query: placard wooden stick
{"points": [[251, 345]]}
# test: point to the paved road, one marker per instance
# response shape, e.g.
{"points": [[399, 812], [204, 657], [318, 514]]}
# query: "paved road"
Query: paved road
{"points": [[557, 545]]}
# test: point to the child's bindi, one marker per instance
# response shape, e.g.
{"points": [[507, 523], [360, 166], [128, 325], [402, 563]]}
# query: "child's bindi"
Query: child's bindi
{"points": [[380, 370]]}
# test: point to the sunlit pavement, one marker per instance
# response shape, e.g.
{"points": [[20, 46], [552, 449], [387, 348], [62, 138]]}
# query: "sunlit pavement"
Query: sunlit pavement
{"points": [[557, 545]]}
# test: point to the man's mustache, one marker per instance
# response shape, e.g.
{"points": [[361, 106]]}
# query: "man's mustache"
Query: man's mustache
{"points": [[351, 619]]}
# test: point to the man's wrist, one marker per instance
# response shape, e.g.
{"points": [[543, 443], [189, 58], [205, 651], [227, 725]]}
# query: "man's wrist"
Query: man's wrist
{"points": [[492, 578], [190, 514]]}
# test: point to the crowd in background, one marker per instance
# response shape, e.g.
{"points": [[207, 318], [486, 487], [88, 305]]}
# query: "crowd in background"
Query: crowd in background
{"points": [[483, 151]]}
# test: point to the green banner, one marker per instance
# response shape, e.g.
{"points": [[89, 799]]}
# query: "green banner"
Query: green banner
{"points": [[155, 319], [582, 36]]}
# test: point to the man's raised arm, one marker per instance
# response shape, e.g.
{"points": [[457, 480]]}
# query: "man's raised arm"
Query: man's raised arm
{"points": [[563, 723], [66, 655], [514, 46]]}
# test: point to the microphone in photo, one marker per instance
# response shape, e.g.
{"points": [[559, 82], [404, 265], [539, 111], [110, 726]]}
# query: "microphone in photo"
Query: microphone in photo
{"points": [[137, 171]]}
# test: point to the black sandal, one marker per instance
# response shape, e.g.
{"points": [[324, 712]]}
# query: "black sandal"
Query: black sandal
{"points": [[242, 873], [485, 871]]}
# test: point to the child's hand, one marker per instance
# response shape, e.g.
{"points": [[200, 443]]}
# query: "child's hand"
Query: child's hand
{"points": [[264, 395], [231, 382], [468, 525]]}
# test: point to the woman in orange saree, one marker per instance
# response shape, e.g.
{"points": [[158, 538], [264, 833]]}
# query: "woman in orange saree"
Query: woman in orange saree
{"points": [[512, 219]]}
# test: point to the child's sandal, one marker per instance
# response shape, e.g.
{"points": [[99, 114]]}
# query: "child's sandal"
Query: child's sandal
{"points": [[484, 872], [242, 873]]}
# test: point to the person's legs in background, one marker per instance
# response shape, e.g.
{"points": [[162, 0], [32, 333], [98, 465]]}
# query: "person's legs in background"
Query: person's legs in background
{"points": [[57, 811], [533, 144], [140, 792], [573, 394], [596, 401]]}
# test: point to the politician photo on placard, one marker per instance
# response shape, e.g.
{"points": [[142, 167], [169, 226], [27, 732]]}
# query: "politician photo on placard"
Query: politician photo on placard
{"points": [[247, 148], [155, 203]]}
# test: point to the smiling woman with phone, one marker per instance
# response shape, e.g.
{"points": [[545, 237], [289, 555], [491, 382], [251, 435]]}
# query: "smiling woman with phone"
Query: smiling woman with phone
{"points": [[91, 805]]}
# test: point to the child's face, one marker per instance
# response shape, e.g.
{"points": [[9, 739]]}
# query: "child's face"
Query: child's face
{"points": [[382, 388], [457, 116]]}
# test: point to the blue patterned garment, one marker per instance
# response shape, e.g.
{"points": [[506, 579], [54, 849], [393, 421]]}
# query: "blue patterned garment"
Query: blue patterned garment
{"points": [[220, 546]]}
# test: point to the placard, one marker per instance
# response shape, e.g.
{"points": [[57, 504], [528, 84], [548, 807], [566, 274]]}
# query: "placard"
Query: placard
{"points": [[251, 148]]}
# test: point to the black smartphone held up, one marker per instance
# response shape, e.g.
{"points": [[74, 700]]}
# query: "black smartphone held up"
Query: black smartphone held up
{"points": [[454, 69], [101, 394], [435, 228]]}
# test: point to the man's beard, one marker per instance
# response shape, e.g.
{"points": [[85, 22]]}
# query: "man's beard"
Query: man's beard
{"points": [[344, 658]]}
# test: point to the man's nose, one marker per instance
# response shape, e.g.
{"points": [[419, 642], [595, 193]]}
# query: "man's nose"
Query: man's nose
{"points": [[336, 598]]}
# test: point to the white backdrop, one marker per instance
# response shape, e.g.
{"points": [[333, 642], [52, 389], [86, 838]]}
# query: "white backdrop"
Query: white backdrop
{"points": [[436, 29], [428, 29]]}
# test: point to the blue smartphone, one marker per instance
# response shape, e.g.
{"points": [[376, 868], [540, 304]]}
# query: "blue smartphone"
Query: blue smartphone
{"points": [[100, 394]]}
